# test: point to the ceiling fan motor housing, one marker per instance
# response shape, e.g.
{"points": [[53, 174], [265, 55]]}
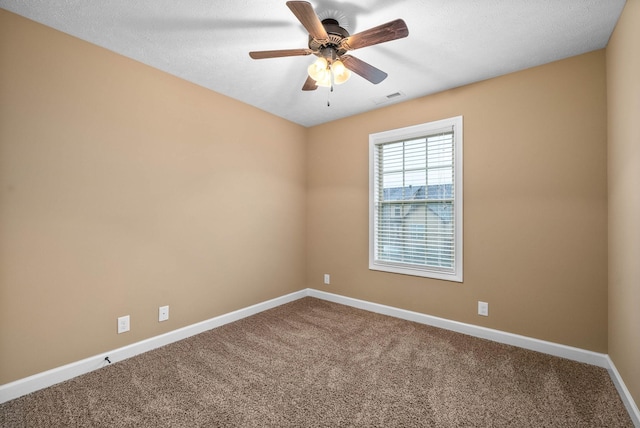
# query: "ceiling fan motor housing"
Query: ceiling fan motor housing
{"points": [[332, 49]]}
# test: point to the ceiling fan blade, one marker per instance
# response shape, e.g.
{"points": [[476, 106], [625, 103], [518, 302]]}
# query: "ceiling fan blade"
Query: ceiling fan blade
{"points": [[382, 33], [309, 84], [364, 69], [309, 20], [279, 53]]}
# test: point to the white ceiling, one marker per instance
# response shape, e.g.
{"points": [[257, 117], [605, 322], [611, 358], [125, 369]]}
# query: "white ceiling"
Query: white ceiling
{"points": [[450, 43]]}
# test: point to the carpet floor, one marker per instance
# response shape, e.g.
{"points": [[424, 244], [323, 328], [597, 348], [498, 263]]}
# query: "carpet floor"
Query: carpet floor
{"points": [[312, 363]]}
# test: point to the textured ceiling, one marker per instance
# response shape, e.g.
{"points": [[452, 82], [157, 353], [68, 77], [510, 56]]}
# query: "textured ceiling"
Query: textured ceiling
{"points": [[450, 43]]}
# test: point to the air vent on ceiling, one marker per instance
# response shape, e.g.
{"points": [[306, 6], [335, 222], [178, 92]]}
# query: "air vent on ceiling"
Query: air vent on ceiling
{"points": [[387, 98]]}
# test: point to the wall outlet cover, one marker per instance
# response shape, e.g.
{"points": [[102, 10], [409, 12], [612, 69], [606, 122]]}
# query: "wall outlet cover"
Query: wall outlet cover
{"points": [[483, 309], [124, 324], [163, 313]]}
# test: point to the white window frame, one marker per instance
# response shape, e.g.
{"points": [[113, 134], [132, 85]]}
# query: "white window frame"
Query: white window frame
{"points": [[408, 133]]}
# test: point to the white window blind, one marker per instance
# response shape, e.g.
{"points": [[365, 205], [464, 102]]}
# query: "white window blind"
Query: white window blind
{"points": [[416, 200]]}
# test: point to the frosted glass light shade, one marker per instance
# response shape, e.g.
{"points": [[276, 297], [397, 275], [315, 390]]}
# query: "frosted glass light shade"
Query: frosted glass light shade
{"points": [[340, 73], [319, 69], [325, 82], [337, 67]]}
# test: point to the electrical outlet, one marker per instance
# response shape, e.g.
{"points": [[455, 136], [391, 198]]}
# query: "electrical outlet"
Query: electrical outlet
{"points": [[163, 313], [124, 324], [327, 278], [483, 309]]}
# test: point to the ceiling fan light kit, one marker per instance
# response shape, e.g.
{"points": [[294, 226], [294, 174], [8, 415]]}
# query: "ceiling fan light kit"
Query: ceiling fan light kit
{"points": [[330, 42], [325, 72]]}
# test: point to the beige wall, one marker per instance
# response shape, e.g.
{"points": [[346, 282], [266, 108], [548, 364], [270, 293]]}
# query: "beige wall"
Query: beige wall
{"points": [[535, 213], [623, 89], [122, 189]]}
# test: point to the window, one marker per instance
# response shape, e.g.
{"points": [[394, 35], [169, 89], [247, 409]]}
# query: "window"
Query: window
{"points": [[415, 200]]}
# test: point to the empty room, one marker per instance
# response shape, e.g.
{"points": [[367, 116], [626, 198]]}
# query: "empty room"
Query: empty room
{"points": [[325, 213]]}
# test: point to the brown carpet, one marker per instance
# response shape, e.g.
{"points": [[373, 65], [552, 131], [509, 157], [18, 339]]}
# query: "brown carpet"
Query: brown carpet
{"points": [[312, 363]]}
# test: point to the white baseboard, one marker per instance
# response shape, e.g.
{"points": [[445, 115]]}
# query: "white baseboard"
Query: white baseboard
{"points": [[564, 351], [48, 378], [631, 406], [51, 377]]}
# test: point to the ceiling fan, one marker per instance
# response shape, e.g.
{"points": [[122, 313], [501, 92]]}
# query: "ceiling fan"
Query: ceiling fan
{"points": [[330, 42]]}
